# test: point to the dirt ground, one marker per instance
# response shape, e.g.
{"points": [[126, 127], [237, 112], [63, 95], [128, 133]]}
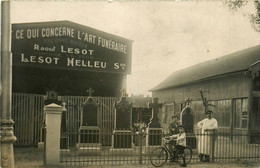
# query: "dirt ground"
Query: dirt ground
{"points": [[32, 157]]}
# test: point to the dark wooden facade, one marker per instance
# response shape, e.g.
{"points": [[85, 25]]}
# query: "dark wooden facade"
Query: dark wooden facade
{"points": [[64, 82]]}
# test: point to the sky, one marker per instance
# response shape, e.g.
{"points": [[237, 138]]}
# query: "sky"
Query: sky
{"points": [[167, 35]]}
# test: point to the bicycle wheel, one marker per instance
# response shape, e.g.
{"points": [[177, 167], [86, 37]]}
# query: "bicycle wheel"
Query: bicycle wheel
{"points": [[187, 153], [158, 156]]}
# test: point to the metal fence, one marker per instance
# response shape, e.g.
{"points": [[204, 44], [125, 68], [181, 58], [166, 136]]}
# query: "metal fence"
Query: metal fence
{"points": [[128, 148], [27, 113]]}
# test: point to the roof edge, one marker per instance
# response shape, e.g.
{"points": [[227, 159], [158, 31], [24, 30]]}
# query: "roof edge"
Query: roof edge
{"points": [[199, 80]]}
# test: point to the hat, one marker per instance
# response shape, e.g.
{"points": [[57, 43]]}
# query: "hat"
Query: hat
{"points": [[209, 111], [175, 116], [180, 126]]}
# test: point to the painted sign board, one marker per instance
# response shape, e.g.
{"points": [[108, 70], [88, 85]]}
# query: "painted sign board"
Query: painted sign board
{"points": [[70, 46]]}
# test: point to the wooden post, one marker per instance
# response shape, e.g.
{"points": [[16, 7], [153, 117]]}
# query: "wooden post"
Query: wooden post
{"points": [[140, 146], [249, 108], [251, 74], [6, 132], [53, 124], [213, 146]]}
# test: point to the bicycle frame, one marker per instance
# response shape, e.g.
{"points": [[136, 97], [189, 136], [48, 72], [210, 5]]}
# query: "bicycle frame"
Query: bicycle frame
{"points": [[175, 155], [172, 154]]}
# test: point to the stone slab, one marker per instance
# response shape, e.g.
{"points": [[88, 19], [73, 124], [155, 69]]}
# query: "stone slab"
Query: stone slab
{"points": [[41, 146], [89, 134], [64, 142], [122, 139], [89, 148], [153, 138]]}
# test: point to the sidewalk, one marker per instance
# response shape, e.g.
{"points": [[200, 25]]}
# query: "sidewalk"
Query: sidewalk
{"points": [[32, 157]]}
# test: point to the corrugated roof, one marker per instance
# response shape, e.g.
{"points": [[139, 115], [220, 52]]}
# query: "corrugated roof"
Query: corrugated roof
{"points": [[238, 61]]}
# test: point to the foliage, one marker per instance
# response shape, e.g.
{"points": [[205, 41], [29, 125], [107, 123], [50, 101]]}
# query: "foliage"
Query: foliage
{"points": [[140, 100], [234, 5], [254, 19], [255, 22]]}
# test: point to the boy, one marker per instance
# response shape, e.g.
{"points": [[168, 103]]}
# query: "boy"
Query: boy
{"points": [[173, 129], [180, 142]]}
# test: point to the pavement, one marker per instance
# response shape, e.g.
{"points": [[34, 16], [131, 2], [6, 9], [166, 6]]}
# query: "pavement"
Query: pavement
{"points": [[28, 157]]}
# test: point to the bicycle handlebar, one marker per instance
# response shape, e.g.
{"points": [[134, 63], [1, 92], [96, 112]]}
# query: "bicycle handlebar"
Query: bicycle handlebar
{"points": [[168, 138]]}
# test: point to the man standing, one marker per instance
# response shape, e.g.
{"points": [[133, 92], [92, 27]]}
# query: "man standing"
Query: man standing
{"points": [[173, 130], [173, 126], [205, 141]]}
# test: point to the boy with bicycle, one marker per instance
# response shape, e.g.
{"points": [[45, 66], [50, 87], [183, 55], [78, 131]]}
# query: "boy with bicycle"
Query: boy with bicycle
{"points": [[173, 129], [180, 139]]}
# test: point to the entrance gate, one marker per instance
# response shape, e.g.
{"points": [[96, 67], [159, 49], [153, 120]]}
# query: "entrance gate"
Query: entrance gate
{"points": [[27, 113]]}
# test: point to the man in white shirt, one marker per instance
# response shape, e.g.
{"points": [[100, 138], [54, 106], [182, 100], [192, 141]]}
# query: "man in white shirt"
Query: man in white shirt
{"points": [[205, 140]]}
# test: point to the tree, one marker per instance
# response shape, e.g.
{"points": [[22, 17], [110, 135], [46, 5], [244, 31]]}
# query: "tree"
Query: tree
{"points": [[254, 18]]}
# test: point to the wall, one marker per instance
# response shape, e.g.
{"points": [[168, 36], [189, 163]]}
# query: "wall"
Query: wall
{"points": [[227, 87]]}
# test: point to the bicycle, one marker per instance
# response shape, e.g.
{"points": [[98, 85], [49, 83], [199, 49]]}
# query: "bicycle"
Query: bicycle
{"points": [[159, 155]]}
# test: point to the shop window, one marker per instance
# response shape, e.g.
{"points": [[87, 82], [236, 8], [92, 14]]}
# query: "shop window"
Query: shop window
{"points": [[222, 111], [198, 111], [240, 114]]}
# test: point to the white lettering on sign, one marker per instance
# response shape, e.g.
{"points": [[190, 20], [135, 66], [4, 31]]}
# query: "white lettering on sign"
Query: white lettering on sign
{"points": [[110, 44], [79, 37], [39, 59], [119, 66], [84, 63], [87, 37], [90, 38], [32, 33], [75, 50], [116, 66], [37, 47], [19, 34], [47, 32], [57, 32]]}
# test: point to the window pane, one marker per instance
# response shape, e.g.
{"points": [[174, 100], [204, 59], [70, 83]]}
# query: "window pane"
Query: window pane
{"points": [[237, 113], [222, 112], [217, 112], [227, 113], [244, 113], [198, 111]]}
